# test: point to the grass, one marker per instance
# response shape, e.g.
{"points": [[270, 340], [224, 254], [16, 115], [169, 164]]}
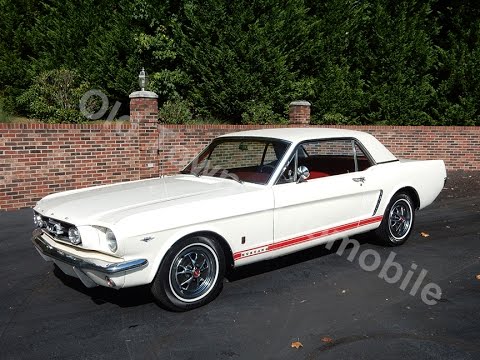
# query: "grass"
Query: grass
{"points": [[12, 119], [4, 116]]}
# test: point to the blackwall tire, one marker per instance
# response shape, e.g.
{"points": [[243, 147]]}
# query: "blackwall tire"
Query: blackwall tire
{"points": [[190, 275], [398, 221]]}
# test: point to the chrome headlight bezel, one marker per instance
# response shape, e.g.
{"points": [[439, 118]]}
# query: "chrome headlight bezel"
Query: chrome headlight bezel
{"points": [[74, 235], [111, 240]]}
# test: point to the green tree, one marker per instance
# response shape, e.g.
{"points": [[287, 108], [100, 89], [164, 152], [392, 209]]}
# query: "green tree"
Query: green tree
{"points": [[236, 53], [156, 49], [16, 22], [54, 96], [458, 76], [356, 61], [375, 62]]}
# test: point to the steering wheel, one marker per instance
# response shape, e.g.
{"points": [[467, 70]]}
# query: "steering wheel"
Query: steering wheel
{"points": [[263, 168], [287, 176]]}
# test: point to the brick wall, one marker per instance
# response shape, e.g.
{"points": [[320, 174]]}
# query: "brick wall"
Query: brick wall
{"points": [[458, 146], [38, 159]]}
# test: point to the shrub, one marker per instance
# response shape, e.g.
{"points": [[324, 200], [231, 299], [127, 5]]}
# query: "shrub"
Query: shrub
{"points": [[4, 113], [259, 113], [332, 119], [54, 96], [175, 112]]}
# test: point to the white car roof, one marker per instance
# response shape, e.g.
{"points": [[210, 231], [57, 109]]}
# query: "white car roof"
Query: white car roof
{"points": [[296, 135]]}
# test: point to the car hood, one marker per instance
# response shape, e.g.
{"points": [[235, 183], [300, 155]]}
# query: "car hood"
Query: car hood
{"points": [[109, 203]]}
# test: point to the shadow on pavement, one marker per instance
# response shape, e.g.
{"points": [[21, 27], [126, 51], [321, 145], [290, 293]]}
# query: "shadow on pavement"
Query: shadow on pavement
{"points": [[129, 297], [293, 259], [140, 295]]}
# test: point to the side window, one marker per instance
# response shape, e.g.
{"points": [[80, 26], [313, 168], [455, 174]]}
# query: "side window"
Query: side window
{"points": [[326, 158], [329, 148]]}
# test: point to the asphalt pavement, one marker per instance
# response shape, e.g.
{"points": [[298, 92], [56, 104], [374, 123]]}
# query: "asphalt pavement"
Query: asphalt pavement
{"points": [[330, 305]]}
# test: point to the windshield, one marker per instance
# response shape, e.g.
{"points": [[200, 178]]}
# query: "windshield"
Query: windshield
{"points": [[243, 159]]}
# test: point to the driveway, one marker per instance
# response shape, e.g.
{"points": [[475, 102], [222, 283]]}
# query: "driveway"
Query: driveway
{"points": [[329, 304]]}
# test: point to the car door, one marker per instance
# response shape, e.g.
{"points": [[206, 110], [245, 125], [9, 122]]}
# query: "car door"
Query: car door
{"points": [[335, 198]]}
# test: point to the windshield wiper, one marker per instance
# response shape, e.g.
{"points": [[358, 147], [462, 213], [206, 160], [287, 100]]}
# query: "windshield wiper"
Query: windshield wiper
{"points": [[191, 172], [227, 175], [196, 173]]}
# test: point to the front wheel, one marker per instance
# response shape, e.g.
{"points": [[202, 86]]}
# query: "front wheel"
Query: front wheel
{"points": [[191, 274], [397, 222]]}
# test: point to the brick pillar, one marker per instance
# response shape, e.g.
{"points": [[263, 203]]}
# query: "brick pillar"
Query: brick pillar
{"points": [[299, 112], [144, 119]]}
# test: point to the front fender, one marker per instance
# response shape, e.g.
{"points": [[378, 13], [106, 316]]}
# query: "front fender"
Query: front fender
{"points": [[166, 241]]}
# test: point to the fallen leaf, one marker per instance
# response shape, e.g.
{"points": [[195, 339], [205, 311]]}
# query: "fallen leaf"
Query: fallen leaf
{"points": [[296, 344], [424, 234], [478, 277], [327, 339]]}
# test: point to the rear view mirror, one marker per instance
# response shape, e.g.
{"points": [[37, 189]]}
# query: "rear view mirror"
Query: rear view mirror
{"points": [[243, 147]]}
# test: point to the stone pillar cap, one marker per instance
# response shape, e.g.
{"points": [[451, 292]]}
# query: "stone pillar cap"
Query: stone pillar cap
{"points": [[143, 94], [300, 103]]}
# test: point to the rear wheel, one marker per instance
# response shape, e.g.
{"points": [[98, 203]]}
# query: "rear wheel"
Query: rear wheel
{"points": [[191, 274], [397, 222]]}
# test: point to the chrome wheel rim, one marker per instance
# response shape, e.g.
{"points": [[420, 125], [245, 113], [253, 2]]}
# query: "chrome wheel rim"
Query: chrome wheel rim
{"points": [[400, 219], [193, 272]]}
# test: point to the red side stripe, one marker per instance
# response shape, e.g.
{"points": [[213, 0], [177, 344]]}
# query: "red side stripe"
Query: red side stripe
{"points": [[312, 236], [370, 221], [308, 237]]}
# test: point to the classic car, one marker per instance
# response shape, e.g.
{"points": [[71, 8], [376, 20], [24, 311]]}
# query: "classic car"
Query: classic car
{"points": [[249, 196]]}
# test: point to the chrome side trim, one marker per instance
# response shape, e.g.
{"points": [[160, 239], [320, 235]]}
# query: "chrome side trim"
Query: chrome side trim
{"points": [[86, 264], [378, 202]]}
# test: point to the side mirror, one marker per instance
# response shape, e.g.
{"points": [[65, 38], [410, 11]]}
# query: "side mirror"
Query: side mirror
{"points": [[302, 174]]}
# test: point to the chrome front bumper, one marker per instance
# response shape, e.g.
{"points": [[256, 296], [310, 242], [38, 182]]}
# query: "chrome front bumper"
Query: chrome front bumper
{"points": [[91, 272]]}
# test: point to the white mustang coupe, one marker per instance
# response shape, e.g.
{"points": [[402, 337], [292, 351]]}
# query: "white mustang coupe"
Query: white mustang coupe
{"points": [[249, 196]]}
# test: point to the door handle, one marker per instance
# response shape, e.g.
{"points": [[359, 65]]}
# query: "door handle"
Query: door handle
{"points": [[359, 179]]}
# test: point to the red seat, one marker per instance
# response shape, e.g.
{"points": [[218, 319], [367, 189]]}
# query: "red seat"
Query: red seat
{"points": [[317, 174]]}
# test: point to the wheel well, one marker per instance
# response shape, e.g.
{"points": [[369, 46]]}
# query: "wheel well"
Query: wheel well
{"points": [[410, 191], [227, 251]]}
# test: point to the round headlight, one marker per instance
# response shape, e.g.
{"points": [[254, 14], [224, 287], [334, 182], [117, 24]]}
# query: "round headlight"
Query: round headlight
{"points": [[38, 221], [111, 240], [74, 236]]}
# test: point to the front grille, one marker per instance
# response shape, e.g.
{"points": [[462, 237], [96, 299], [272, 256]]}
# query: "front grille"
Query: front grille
{"points": [[56, 228]]}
